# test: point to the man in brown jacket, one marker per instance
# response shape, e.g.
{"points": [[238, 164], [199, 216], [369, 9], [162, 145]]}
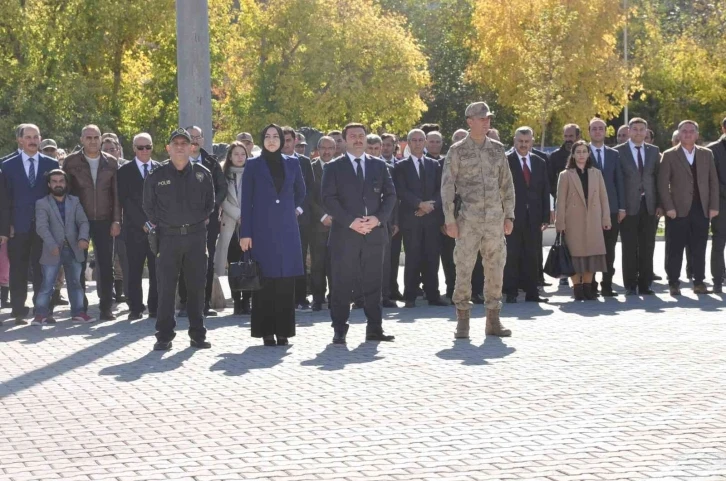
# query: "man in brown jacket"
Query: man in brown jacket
{"points": [[92, 178], [688, 188]]}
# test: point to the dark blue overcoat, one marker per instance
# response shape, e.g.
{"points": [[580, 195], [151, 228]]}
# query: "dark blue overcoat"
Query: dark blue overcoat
{"points": [[270, 218]]}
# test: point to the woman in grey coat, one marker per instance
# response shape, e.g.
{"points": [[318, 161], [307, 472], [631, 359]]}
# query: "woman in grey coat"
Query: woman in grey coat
{"points": [[228, 249]]}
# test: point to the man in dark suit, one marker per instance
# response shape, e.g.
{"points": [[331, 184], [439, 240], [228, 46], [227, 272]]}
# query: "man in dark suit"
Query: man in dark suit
{"points": [[321, 223], [131, 177], [389, 143], [639, 163], [304, 220], [24, 176], [689, 192], [607, 160], [531, 215], [418, 187], [718, 223], [358, 192]]}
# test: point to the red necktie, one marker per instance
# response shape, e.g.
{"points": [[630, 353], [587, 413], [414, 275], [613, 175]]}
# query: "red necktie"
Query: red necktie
{"points": [[525, 171]]}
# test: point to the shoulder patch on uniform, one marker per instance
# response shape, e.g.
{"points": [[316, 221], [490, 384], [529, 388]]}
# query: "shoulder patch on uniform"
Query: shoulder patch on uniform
{"points": [[199, 176]]}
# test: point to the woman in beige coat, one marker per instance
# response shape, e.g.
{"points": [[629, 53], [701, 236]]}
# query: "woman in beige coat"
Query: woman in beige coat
{"points": [[228, 249], [582, 213]]}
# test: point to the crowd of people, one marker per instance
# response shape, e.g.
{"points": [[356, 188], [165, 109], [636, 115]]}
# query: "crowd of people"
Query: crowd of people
{"points": [[329, 231]]}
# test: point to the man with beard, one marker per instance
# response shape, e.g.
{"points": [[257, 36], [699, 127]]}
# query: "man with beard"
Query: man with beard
{"points": [[62, 224], [558, 161]]}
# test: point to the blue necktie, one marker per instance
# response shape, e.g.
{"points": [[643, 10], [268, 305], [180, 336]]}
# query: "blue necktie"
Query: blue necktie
{"points": [[146, 170], [31, 172]]}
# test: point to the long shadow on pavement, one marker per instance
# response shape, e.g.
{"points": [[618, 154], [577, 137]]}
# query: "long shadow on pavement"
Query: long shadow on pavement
{"points": [[471, 355], [254, 357], [151, 363], [335, 357]]}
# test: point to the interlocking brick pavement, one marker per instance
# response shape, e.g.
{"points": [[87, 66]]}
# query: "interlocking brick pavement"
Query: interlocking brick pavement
{"points": [[624, 389]]}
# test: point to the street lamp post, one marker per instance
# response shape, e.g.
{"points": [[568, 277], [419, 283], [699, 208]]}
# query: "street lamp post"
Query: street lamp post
{"points": [[194, 78]]}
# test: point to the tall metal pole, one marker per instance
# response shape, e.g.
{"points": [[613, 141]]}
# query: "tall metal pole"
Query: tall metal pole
{"points": [[194, 76], [627, 69]]}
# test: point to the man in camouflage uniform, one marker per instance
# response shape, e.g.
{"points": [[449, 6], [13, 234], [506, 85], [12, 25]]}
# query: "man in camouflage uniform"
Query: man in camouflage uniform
{"points": [[476, 169]]}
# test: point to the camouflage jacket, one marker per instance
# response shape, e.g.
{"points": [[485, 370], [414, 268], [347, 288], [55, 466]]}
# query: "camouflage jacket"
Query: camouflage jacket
{"points": [[481, 176]]}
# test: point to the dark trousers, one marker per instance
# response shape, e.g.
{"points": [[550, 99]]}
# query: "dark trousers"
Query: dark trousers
{"points": [[396, 242], [522, 260], [24, 251], [212, 234], [319, 265], [718, 243], [611, 240], [477, 276], [638, 242], [691, 230], [139, 253], [103, 252], [301, 282], [273, 308], [358, 261], [234, 254], [689, 265], [447, 261], [177, 252], [423, 246]]}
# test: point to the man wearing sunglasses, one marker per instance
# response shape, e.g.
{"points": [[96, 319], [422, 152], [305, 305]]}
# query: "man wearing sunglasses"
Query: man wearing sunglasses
{"points": [[131, 177], [201, 156]]}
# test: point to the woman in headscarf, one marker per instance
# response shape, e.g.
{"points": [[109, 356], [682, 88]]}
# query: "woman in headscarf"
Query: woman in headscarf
{"points": [[273, 192], [228, 248]]}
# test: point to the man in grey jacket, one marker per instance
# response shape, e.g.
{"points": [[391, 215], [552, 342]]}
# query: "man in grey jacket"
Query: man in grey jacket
{"points": [[63, 226]]}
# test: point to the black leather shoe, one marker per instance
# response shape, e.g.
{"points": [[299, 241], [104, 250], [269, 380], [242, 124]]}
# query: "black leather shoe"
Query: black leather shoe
{"points": [[317, 306], [133, 316], [608, 292], [657, 278], [23, 312], [19, 321], [674, 291], [107, 315], [717, 289], [410, 304], [339, 337], [162, 346], [380, 337], [438, 302], [511, 299], [477, 299], [387, 303], [630, 292], [282, 341], [209, 313], [647, 291], [200, 344], [269, 341], [536, 299], [182, 312]]}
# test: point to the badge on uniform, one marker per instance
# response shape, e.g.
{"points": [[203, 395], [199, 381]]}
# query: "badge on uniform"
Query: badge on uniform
{"points": [[200, 176]]}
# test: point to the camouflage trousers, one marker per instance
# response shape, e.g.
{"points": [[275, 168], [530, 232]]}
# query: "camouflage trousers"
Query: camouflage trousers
{"points": [[487, 238]]}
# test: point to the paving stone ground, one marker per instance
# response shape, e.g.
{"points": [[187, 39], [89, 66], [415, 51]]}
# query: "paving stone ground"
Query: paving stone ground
{"points": [[617, 389]]}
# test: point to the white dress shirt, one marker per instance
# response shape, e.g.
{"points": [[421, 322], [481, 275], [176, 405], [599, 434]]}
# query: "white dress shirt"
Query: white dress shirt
{"points": [[140, 165], [355, 164], [602, 155], [26, 163], [690, 157]]}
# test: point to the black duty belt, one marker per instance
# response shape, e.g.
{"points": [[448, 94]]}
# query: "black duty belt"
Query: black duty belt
{"points": [[183, 229]]}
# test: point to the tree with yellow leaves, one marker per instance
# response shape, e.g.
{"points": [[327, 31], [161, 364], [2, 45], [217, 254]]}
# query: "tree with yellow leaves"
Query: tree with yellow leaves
{"points": [[551, 61]]}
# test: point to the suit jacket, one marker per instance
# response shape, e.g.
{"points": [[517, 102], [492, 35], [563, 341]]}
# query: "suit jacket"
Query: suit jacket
{"points": [[719, 157], [632, 178], [583, 221], [555, 164], [269, 218], [317, 211], [411, 191], [346, 199], [306, 218], [21, 195], [50, 227], [675, 181], [532, 199], [612, 174], [131, 197]]}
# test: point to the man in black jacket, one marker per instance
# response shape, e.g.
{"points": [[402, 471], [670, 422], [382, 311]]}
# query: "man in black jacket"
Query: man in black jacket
{"points": [[131, 177], [304, 219], [531, 215], [199, 155], [718, 223]]}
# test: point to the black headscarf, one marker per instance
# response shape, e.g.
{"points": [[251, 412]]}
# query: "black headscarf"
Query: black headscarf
{"points": [[274, 159]]}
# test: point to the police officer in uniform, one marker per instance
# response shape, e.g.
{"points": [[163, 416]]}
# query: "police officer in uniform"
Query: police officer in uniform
{"points": [[178, 200], [477, 169]]}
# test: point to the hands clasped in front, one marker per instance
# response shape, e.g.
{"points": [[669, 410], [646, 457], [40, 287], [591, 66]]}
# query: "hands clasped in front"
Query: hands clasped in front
{"points": [[364, 225]]}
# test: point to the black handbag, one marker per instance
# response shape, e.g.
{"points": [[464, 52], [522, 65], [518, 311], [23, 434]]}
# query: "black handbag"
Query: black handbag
{"points": [[559, 261], [245, 275]]}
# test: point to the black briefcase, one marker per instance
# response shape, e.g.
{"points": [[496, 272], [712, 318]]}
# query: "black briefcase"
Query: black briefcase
{"points": [[245, 275], [559, 261]]}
